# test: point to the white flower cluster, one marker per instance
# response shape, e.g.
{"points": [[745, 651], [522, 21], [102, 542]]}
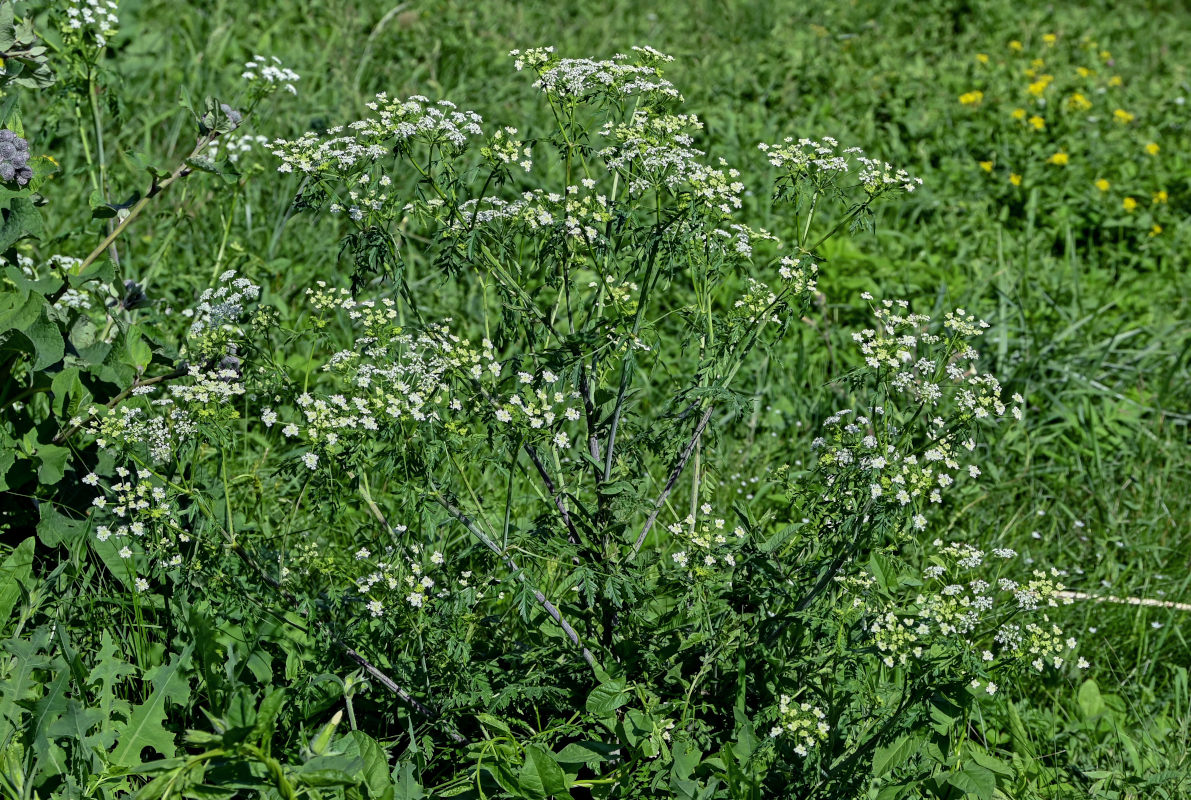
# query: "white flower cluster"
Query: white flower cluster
{"points": [[393, 377], [655, 153], [222, 306], [758, 302], [616, 78], [503, 149], [800, 277], [205, 393], [803, 723], [403, 578], [823, 161], [546, 409], [233, 146], [94, 18], [397, 123], [932, 370], [579, 215], [138, 511], [978, 617], [710, 542], [57, 265], [266, 75]]}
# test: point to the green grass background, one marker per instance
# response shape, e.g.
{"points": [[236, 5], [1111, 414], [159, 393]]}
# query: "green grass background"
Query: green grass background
{"points": [[1088, 316]]}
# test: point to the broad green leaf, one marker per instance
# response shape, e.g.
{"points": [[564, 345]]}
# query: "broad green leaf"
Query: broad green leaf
{"points": [[540, 775], [587, 752], [144, 726], [975, 781], [53, 463], [374, 764], [19, 220], [607, 697], [893, 755], [55, 529], [25, 327], [1091, 703]]}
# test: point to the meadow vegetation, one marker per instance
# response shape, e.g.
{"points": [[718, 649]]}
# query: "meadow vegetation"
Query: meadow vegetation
{"points": [[698, 400]]}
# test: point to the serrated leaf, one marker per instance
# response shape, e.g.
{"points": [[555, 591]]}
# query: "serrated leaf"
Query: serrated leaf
{"points": [[16, 579], [406, 783], [144, 726]]}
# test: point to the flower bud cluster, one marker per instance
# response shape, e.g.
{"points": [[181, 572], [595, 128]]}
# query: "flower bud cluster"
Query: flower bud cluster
{"points": [[503, 149], [14, 158]]}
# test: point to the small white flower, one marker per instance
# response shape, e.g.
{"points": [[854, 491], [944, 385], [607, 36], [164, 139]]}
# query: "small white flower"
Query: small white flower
{"points": [[142, 585], [310, 460], [376, 608]]}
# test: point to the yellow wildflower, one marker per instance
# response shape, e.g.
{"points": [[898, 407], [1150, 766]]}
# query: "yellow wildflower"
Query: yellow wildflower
{"points": [[1038, 122], [1105, 55], [1115, 80], [1049, 39], [1015, 46], [1015, 179], [982, 58], [986, 166], [1152, 148], [1019, 113], [1122, 116], [1129, 204], [1084, 72], [1157, 229], [1102, 185], [1077, 102], [1160, 196], [1038, 87], [1059, 159], [1037, 63], [973, 98]]}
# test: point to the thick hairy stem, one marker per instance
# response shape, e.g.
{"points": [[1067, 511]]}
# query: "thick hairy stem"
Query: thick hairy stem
{"points": [[675, 474], [486, 540], [559, 503]]}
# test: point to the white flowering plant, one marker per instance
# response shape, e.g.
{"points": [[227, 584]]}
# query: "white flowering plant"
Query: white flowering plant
{"points": [[490, 467]]}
